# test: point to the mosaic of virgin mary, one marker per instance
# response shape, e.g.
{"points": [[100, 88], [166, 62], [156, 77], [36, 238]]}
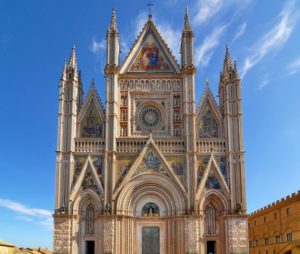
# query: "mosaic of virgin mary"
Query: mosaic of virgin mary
{"points": [[150, 58]]}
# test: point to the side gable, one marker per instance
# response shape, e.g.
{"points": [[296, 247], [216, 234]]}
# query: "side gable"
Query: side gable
{"points": [[87, 179], [91, 116], [212, 167], [150, 160], [150, 53], [208, 108]]}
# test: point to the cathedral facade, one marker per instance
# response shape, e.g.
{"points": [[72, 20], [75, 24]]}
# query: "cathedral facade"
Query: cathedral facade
{"points": [[150, 172]]}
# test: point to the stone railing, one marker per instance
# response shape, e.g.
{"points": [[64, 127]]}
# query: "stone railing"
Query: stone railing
{"points": [[134, 145], [89, 145], [206, 146]]}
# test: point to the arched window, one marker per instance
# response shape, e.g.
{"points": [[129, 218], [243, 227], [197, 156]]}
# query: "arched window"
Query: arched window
{"points": [[90, 219], [150, 209], [210, 220]]}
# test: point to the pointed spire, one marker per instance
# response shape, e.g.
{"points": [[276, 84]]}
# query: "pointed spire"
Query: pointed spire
{"points": [[93, 87], [187, 23], [227, 61], [113, 24], [206, 83], [73, 59]]}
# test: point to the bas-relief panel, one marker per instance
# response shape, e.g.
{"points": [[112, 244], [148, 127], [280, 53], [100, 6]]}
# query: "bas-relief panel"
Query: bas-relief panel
{"points": [[91, 126], [150, 58], [238, 236], [177, 164]]}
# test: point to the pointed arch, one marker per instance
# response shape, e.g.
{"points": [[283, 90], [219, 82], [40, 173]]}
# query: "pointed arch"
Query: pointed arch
{"points": [[82, 201], [214, 198]]}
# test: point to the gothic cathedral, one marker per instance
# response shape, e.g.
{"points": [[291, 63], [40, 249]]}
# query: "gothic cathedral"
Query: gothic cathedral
{"points": [[150, 172]]}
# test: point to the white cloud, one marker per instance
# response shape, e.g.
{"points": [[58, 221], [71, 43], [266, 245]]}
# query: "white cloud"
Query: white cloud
{"points": [[40, 216], [294, 67], [241, 31], [172, 38], [204, 52], [141, 20], [274, 38], [263, 84], [98, 47], [206, 10]]}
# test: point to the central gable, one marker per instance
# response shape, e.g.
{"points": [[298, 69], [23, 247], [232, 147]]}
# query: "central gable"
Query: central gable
{"points": [[150, 54]]}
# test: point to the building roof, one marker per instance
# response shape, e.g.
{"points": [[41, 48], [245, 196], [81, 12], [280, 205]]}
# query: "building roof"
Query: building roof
{"points": [[2, 243]]}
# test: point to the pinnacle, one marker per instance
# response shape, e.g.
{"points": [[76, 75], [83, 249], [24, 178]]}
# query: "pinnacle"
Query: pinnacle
{"points": [[73, 59], [227, 60], [187, 24], [113, 24]]}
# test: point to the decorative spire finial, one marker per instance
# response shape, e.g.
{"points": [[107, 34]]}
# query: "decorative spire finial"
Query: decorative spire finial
{"points": [[93, 84], [207, 83], [187, 23], [73, 59], [227, 60], [113, 24], [150, 5]]}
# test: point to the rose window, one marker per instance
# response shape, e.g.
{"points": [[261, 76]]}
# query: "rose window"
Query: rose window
{"points": [[149, 118]]}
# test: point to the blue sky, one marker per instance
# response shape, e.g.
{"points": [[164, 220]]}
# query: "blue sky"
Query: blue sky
{"points": [[36, 36]]}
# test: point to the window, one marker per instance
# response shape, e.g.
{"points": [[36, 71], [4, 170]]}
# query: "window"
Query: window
{"points": [[150, 209], [265, 219], [256, 243], [288, 211], [89, 219], [255, 223], [289, 237], [277, 239], [123, 131], [210, 220], [275, 215], [267, 241]]}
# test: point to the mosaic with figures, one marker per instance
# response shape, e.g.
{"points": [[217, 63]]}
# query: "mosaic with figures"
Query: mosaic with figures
{"points": [[92, 124], [150, 57], [212, 181], [177, 164], [208, 126], [123, 165], [151, 163], [97, 162]]}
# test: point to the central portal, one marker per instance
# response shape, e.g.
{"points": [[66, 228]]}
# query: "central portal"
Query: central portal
{"points": [[211, 247], [150, 240]]}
